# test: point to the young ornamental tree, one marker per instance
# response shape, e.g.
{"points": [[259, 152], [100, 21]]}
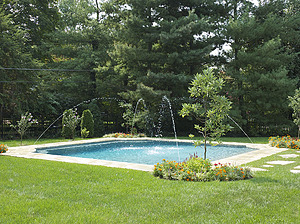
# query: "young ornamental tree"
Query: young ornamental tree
{"points": [[70, 121], [23, 124], [295, 105], [209, 107]]}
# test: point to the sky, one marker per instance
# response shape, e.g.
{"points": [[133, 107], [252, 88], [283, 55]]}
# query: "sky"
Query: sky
{"points": [[254, 1]]}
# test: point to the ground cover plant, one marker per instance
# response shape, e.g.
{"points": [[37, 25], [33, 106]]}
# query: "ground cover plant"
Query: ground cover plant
{"points": [[39, 191], [285, 142]]}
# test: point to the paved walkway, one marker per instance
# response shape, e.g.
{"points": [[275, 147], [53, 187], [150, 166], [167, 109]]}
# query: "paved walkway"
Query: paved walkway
{"points": [[263, 150]]}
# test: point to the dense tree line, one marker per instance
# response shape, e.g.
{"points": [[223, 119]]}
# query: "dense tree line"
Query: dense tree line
{"points": [[55, 54]]}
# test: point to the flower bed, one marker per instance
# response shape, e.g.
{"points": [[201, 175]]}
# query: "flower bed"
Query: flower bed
{"points": [[198, 169], [123, 135], [285, 142], [3, 148]]}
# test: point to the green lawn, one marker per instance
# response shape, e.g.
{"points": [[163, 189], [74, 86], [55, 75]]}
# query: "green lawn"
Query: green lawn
{"points": [[13, 143], [38, 191]]}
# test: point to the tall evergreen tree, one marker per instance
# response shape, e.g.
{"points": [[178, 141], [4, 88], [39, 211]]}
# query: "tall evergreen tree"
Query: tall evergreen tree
{"points": [[160, 43], [16, 86], [159, 46], [37, 19], [257, 69], [79, 44]]}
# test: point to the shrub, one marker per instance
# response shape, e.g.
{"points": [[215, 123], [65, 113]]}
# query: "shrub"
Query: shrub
{"points": [[198, 169], [3, 148], [285, 142], [84, 133], [198, 164], [295, 105], [70, 121], [87, 122]]}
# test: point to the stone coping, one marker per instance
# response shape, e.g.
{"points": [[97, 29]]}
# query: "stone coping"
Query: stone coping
{"points": [[262, 150]]}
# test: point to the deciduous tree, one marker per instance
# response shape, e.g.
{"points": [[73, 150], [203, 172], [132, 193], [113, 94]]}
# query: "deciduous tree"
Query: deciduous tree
{"points": [[210, 109]]}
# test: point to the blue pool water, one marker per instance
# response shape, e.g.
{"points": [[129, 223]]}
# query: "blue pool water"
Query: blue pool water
{"points": [[143, 151]]}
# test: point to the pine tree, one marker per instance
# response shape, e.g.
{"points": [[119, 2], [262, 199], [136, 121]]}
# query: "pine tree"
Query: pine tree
{"points": [[80, 43], [159, 41], [257, 71]]}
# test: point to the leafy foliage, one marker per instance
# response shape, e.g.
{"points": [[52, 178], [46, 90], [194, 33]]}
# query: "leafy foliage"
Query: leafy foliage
{"points": [[70, 121], [295, 105], [198, 169], [15, 97], [285, 142], [141, 108], [147, 49], [258, 62], [3, 148], [87, 123], [210, 109], [84, 133], [24, 123]]}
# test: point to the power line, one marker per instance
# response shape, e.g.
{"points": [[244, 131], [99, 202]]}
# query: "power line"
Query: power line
{"points": [[45, 69], [60, 81]]}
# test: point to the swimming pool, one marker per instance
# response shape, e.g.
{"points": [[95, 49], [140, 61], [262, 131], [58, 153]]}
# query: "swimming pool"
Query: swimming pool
{"points": [[147, 152]]}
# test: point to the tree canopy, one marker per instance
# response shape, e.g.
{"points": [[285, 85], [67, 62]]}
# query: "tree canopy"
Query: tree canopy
{"points": [[56, 54]]}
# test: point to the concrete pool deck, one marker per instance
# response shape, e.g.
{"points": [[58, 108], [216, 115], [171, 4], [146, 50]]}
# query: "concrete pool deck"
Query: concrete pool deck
{"points": [[262, 150]]}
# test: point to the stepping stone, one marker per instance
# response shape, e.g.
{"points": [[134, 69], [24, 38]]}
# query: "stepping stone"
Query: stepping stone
{"points": [[295, 171], [297, 167], [267, 166], [280, 162], [257, 169], [289, 156]]}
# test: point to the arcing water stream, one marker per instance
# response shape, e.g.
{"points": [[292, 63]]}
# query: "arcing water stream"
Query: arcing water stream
{"points": [[83, 102]]}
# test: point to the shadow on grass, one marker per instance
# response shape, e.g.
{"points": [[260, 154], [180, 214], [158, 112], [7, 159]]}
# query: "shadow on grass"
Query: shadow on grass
{"points": [[261, 179]]}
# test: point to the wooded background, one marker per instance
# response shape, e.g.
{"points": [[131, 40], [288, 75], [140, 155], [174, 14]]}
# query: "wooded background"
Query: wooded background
{"points": [[57, 54]]}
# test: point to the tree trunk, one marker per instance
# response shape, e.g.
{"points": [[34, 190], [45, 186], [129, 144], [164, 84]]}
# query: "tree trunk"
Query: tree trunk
{"points": [[205, 132], [97, 10], [2, 123], [2, 109], [204, 148]]}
